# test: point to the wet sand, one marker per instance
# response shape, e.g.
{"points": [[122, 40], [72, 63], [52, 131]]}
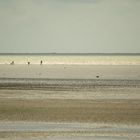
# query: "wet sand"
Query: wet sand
{"points": [[70, 95], [59, 110], [70, 71]]}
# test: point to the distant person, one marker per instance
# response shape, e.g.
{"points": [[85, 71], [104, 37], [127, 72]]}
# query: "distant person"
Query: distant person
{"points": [[41, 62], [12, 63], [28, 63], [97, 76]]}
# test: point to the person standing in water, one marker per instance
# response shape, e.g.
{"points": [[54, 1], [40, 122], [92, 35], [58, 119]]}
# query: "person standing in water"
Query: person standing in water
{"points": [[41, 62], [12, 63], [28, 63]]}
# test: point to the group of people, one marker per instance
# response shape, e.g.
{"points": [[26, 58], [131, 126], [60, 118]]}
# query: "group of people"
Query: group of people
{"points": [[12, 63]]}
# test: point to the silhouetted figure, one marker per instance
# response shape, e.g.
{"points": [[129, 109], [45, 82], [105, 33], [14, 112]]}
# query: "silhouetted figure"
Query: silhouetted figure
{"points": [[41, 62], [12, 63], [97, 76], [28, 63]]}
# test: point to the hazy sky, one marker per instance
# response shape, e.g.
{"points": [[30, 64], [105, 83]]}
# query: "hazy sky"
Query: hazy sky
{"points": [[68, 26]]}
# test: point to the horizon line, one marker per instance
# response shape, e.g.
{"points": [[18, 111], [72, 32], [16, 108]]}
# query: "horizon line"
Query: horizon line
{"points": [[64, 53]]}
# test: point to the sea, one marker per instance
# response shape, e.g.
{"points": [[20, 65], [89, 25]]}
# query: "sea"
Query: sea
{"points": [[71, 59]]}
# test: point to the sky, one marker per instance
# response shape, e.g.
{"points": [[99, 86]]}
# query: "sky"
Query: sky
{"points": [[70, 26]]}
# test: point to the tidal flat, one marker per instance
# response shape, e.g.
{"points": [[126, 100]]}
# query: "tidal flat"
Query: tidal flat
{"points": [[45, 107]]}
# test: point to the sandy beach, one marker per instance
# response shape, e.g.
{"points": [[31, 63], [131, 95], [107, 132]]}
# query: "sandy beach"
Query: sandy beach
{"points": [[70, 71], [72, 98]]}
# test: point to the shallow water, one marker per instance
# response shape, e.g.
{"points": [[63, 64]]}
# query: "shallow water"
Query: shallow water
{"points": [[81, 131], [51, 126], [71, 71], [84, 138], [77, 59]]}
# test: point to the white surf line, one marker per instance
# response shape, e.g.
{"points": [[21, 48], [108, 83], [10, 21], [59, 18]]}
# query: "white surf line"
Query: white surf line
{"points": [[46, 126]]}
